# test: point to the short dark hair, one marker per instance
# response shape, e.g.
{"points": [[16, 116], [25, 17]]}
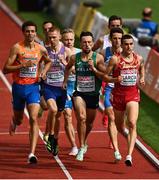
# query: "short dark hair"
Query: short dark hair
{"points": [[86, 33], [28, 23], [115, 30], [45, 22], [126, 36], [55, 28], [115, 17]]}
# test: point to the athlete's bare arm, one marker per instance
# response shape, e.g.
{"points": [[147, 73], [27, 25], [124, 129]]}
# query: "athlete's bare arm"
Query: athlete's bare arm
{"points": [[47, 62], [111, 65], [100, 68], [65, 58], [68, 69], [98, 44], [13, 56], [102, 52], [142, 72]]}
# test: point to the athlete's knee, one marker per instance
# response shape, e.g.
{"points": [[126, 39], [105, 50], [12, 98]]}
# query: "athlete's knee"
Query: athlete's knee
{"points": [[82, 118], [67, 117], [53, 111], [132, 125]]}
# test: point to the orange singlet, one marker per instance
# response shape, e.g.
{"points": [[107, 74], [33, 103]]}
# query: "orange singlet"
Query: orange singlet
{"points": [[27, 75]]}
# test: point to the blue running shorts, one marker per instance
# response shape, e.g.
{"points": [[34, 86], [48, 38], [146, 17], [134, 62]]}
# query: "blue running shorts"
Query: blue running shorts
{"points": [[56, 93], [25, 94]]}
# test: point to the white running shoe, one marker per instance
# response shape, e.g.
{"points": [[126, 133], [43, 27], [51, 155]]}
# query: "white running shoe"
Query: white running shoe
{"points": [[85, 148], [12, 128], [74, 151], [80, 154], [117, 156], [128, 160], [32, 159]]}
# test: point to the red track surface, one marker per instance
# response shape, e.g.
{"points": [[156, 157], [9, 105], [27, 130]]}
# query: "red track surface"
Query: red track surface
{"points": [[98, 162]]}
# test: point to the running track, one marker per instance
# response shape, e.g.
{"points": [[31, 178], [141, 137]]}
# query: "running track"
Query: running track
{"points": [[98, 162]]}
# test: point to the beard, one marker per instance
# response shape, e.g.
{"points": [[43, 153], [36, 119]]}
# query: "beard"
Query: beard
{"points": [[86, 51]]}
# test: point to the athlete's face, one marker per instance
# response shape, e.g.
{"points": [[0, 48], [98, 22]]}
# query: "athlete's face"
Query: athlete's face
{"points": [[68, 39], [29, 33], [116, 40], [86, 44], [128, 45], [54, 38], [115, 23], [46, 28]]}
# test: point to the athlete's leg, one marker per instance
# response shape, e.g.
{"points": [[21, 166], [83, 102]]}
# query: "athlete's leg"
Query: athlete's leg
{"points": [[16, 121], [51, 115], [69, 126], [33, 110], [91, 114], [132, 110], [112, 130], [119, 120], [80, 109]]}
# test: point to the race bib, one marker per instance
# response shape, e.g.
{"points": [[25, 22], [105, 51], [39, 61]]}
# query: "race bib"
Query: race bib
{"points": [[29, 72], [72, 77], [129, 77], [55, 77], [86, 83]]}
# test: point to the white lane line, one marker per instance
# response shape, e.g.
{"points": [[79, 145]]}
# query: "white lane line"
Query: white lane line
{"points": [[140, 146], [2, 76]]}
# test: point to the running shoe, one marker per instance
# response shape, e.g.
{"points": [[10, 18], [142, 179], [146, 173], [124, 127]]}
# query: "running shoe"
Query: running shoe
{"points": [[105, 121], [45, 137], [80, 154], [48, 143], [74, 151], [12, 128], [117, 156], [52, 145], [32, 159], [128, 160], [85, 148]]}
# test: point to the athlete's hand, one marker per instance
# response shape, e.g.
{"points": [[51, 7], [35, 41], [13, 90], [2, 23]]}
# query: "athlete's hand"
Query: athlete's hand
{"points": [[142, 81], [43, 75], [64, 85], [62, 59], [91, 64], [119, 79], [28, 64]]}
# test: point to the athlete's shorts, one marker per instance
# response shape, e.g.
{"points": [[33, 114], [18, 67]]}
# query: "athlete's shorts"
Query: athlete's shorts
{"points": [[107, 96], [92, 101], [70, 89], [120, 99], [27, 93], [56, 93]]}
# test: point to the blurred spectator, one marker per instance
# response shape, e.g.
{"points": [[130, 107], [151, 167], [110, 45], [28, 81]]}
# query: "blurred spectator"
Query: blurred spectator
{"points": [[147, 28]]}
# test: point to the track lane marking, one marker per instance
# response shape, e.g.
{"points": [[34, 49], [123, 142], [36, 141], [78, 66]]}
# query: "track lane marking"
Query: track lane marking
{"points": [[62, 166]]}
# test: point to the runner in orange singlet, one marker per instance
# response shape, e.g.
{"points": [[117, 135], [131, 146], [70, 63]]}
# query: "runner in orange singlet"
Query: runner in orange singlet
{"points": [[24, 60]]}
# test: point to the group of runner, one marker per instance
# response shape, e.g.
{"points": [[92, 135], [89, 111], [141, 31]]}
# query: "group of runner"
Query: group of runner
{"points": [[70, 77]]}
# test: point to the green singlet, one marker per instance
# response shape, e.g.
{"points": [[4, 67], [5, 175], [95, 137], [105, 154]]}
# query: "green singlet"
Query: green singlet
{"points": [[86, 81]]}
